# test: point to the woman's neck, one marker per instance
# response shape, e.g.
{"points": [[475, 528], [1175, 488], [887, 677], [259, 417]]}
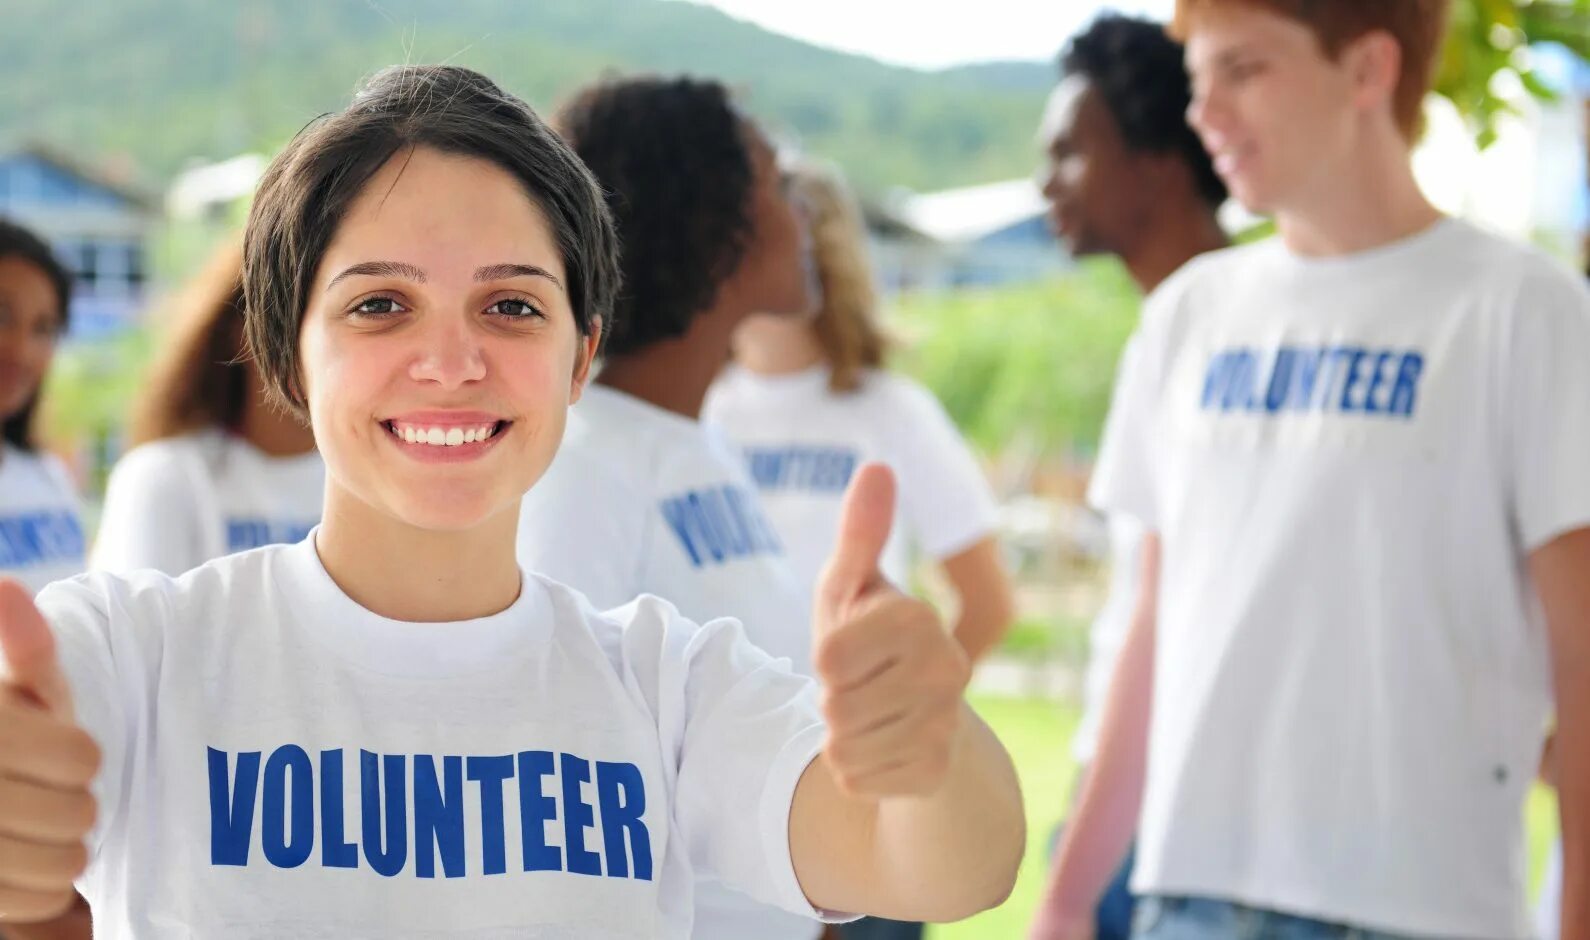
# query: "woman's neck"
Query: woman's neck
{"points": [[767, 344], [403, 572]]}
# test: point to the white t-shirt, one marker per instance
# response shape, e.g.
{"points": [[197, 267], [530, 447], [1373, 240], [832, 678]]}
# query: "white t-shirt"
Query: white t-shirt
{"points": [[176, 503], [640, 500], [281, 762], [802, 442], [41, 538], [1107, 634], [1348, 461]]}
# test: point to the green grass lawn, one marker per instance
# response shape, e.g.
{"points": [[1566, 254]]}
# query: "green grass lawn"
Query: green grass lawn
{"points": [[1038, 733]]}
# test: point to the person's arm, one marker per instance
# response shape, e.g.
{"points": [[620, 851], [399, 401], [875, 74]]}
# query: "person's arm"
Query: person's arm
{"points": [[75, 924], [1561, 572], [1102, 827], [987, 604], [912, 810]]}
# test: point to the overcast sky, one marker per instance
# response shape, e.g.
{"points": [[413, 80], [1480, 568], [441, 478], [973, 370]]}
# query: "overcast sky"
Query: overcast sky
{"points": [[898, 31]]}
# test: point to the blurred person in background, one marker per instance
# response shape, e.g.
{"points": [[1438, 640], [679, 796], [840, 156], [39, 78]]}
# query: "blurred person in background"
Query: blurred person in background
{"points": [[215, 467], [808, 400], [428, 274], [1125, 176], [41, 535], [1330, 704], [642, 497]]}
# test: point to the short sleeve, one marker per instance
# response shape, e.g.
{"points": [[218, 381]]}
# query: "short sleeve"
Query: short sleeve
{"points": [[1123, 476], [1548, 412], [151, 517], [752, 728], [944, 493], [579, 527], [79, 613]]}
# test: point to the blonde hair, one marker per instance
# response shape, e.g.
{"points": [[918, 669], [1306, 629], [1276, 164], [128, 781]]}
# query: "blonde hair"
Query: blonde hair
{"points": [[199, 379], [846, 324]]}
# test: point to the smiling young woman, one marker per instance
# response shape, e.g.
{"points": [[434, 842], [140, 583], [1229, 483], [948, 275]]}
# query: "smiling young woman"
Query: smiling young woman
{"points": [[390, 728]]}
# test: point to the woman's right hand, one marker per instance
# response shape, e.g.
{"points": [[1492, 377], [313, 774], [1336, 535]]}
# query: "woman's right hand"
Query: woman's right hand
{"points": [[47, 763]]}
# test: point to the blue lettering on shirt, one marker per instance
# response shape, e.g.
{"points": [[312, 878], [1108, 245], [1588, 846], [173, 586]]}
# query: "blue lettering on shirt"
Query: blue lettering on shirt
{"points": [[719, 525], [425, 794], [819, 469], [39, 538], [244, 533], [1332, 379]]}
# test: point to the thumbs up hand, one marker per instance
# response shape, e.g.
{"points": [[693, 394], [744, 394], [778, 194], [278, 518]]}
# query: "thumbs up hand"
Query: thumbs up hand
{"points": [[892, 676], [46, 765]]}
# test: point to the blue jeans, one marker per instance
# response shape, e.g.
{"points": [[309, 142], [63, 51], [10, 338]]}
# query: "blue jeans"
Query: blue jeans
{"points": [[1174, 918], [877, 928]]}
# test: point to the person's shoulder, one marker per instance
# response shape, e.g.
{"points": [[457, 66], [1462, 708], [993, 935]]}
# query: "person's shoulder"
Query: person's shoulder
{"points": [[35, 471], [896, 394], [592, 471], [646, 630], [1203, 282], [610, 434], [240, 575], [161, 457], [1523, 281], [1208, 273]]}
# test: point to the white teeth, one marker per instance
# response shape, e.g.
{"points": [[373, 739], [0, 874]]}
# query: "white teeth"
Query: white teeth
{"points": [[444, 437]]}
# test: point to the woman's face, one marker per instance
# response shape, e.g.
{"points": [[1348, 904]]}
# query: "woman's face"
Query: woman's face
{"points": [[777, 274], [30, 323], [439, 350]]}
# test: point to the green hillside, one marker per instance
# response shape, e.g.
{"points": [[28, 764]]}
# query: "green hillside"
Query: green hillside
{"points": [[147, 85]]}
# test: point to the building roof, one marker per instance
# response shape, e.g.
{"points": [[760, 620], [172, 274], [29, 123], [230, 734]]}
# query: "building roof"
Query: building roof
{"points": [[44, 153], [214, 183], [973, 212]]}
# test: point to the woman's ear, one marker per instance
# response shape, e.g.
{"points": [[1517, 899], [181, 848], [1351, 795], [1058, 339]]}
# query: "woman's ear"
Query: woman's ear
{"points": [[585, 358]]}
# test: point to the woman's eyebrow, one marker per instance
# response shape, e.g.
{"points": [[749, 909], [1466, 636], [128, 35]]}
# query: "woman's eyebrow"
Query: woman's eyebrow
{"points": [[502, 272], [400, 269]]}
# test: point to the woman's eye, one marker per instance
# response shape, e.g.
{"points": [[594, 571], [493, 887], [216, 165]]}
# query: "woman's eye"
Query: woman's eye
{"points": [[515, 309], [377, 306]]}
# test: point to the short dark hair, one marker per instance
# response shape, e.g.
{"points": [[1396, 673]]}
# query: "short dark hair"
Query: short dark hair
{"points": [[1140, 73], [18, 242], [307, 189], [675, 159]]}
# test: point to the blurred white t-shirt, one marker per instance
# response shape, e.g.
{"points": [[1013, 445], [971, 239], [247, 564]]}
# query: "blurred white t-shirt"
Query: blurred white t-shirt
{"points": [[174, 504], [802, 441], [41, 536]]}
